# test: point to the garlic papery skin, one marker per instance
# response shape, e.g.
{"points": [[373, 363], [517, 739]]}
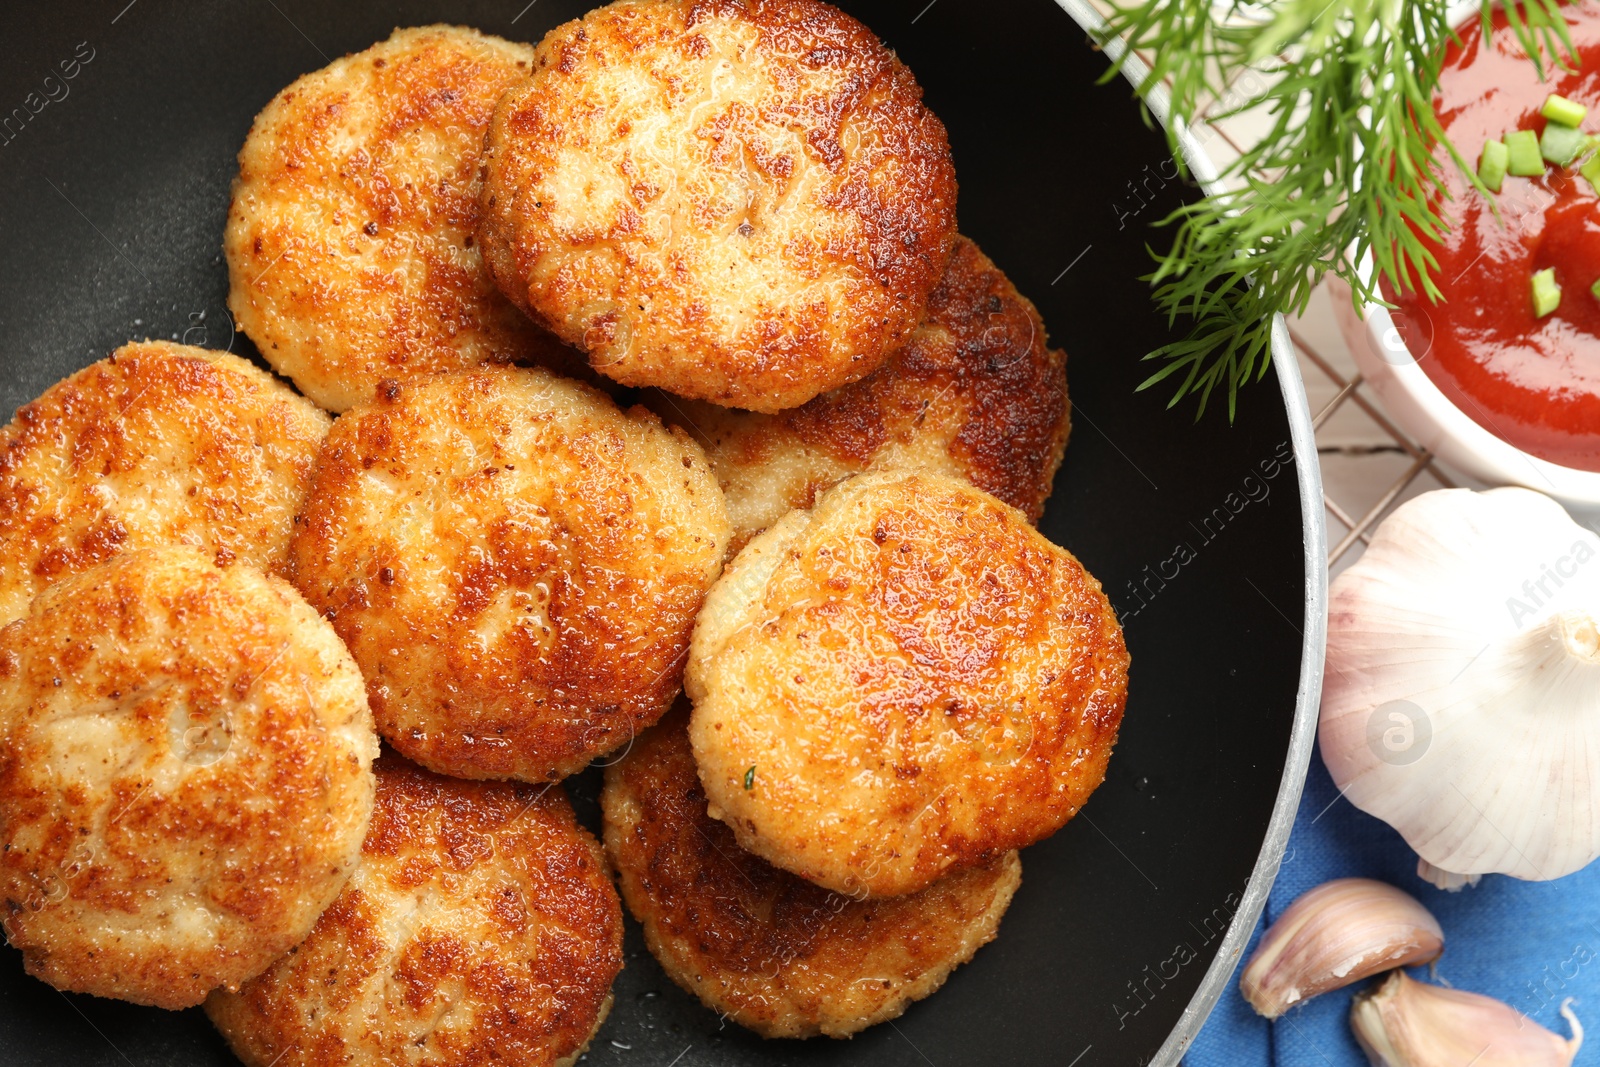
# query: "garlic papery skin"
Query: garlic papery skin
{"points": [[1462, 696], [1404, 1023], [1338, 933]]}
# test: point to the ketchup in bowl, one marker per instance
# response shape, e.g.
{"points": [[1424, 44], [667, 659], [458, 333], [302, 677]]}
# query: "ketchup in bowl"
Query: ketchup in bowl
{"points": [[1533, 381]]}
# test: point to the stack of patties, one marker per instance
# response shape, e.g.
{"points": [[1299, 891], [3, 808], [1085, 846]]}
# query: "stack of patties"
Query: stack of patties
{"points": [[681, 281], [190, 810], [750, 211], [185, 747], [891, 693]]}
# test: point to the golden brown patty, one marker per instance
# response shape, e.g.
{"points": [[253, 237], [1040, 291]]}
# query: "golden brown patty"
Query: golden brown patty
{"points": [[902, 682], [774, 952], [158, 444], [976, 393], [479, 927], [350, 245], [745, 203], [185, 776], [515, 564]]}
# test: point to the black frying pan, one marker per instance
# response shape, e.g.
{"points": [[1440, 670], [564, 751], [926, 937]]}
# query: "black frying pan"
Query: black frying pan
{"points": [[113, 192]]}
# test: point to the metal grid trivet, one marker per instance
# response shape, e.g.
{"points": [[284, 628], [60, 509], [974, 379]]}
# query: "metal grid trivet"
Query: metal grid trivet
{"points": [[1349, 391]]}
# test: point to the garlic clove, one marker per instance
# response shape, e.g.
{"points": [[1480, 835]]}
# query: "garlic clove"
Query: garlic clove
{"points": [[1446, 880], [1404, 1023], [1333, 935], [1462, 695]]}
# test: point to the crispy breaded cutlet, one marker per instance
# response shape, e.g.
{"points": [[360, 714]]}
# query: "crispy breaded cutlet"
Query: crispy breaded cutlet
{"points": [[350, 241], [905, 681], [185, 775], [480, 927], [767, 949], [515, 563], [159, 444], [740, 202]]}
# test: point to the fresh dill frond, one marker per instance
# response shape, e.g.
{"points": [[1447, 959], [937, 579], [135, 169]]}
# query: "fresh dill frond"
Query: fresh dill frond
{"points": [[1346, 167]]}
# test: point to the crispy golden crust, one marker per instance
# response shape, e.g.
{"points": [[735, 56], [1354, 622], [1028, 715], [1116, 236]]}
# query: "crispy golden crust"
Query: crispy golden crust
{"points": [[350, 245], [480, 926], [772, 951], [515, 564], [741, 201], [977, 393], [918, 679], [160, 443], [185, 776]]}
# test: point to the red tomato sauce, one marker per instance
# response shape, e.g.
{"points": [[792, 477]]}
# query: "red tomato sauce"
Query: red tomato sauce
{"points": [[1533, 382]]}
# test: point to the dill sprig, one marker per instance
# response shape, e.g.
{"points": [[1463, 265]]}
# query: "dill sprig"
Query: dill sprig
{"points": [[1346, 166]]}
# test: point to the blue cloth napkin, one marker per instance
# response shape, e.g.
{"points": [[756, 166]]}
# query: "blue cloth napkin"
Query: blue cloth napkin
{"points": [[1530, 944]]}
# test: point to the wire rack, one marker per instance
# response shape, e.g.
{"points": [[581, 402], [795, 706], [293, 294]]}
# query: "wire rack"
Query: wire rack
{"points": [[1353, 431]]}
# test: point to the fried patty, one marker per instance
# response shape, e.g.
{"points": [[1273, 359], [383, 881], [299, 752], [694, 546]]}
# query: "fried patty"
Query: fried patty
{"points": [[903, 682], [769, 950], [351, 255], [159, 444], [977, 392], [185, 775], [515, 563], [480, 926], [746, 203]]}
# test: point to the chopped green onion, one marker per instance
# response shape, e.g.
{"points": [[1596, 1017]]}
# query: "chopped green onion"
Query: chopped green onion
{"points": [[1594, 290], [1559, 109], [1522, 146], [750, 777], [1492, 164], [1562, 144], [1546, 293], [1591, 171]]}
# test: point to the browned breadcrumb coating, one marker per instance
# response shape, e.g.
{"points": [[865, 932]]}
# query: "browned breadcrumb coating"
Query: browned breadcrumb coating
{"points": [[350, 242], [185, 776], [921, 681], [515, 563], [976, 393], [159, 444], [480, 927], [769, 950], [740, 201]]}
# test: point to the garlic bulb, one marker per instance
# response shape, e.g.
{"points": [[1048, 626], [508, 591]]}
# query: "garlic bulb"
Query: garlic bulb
{"points": [[1409, 1024], [1462, 696], [1338, 933]]}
